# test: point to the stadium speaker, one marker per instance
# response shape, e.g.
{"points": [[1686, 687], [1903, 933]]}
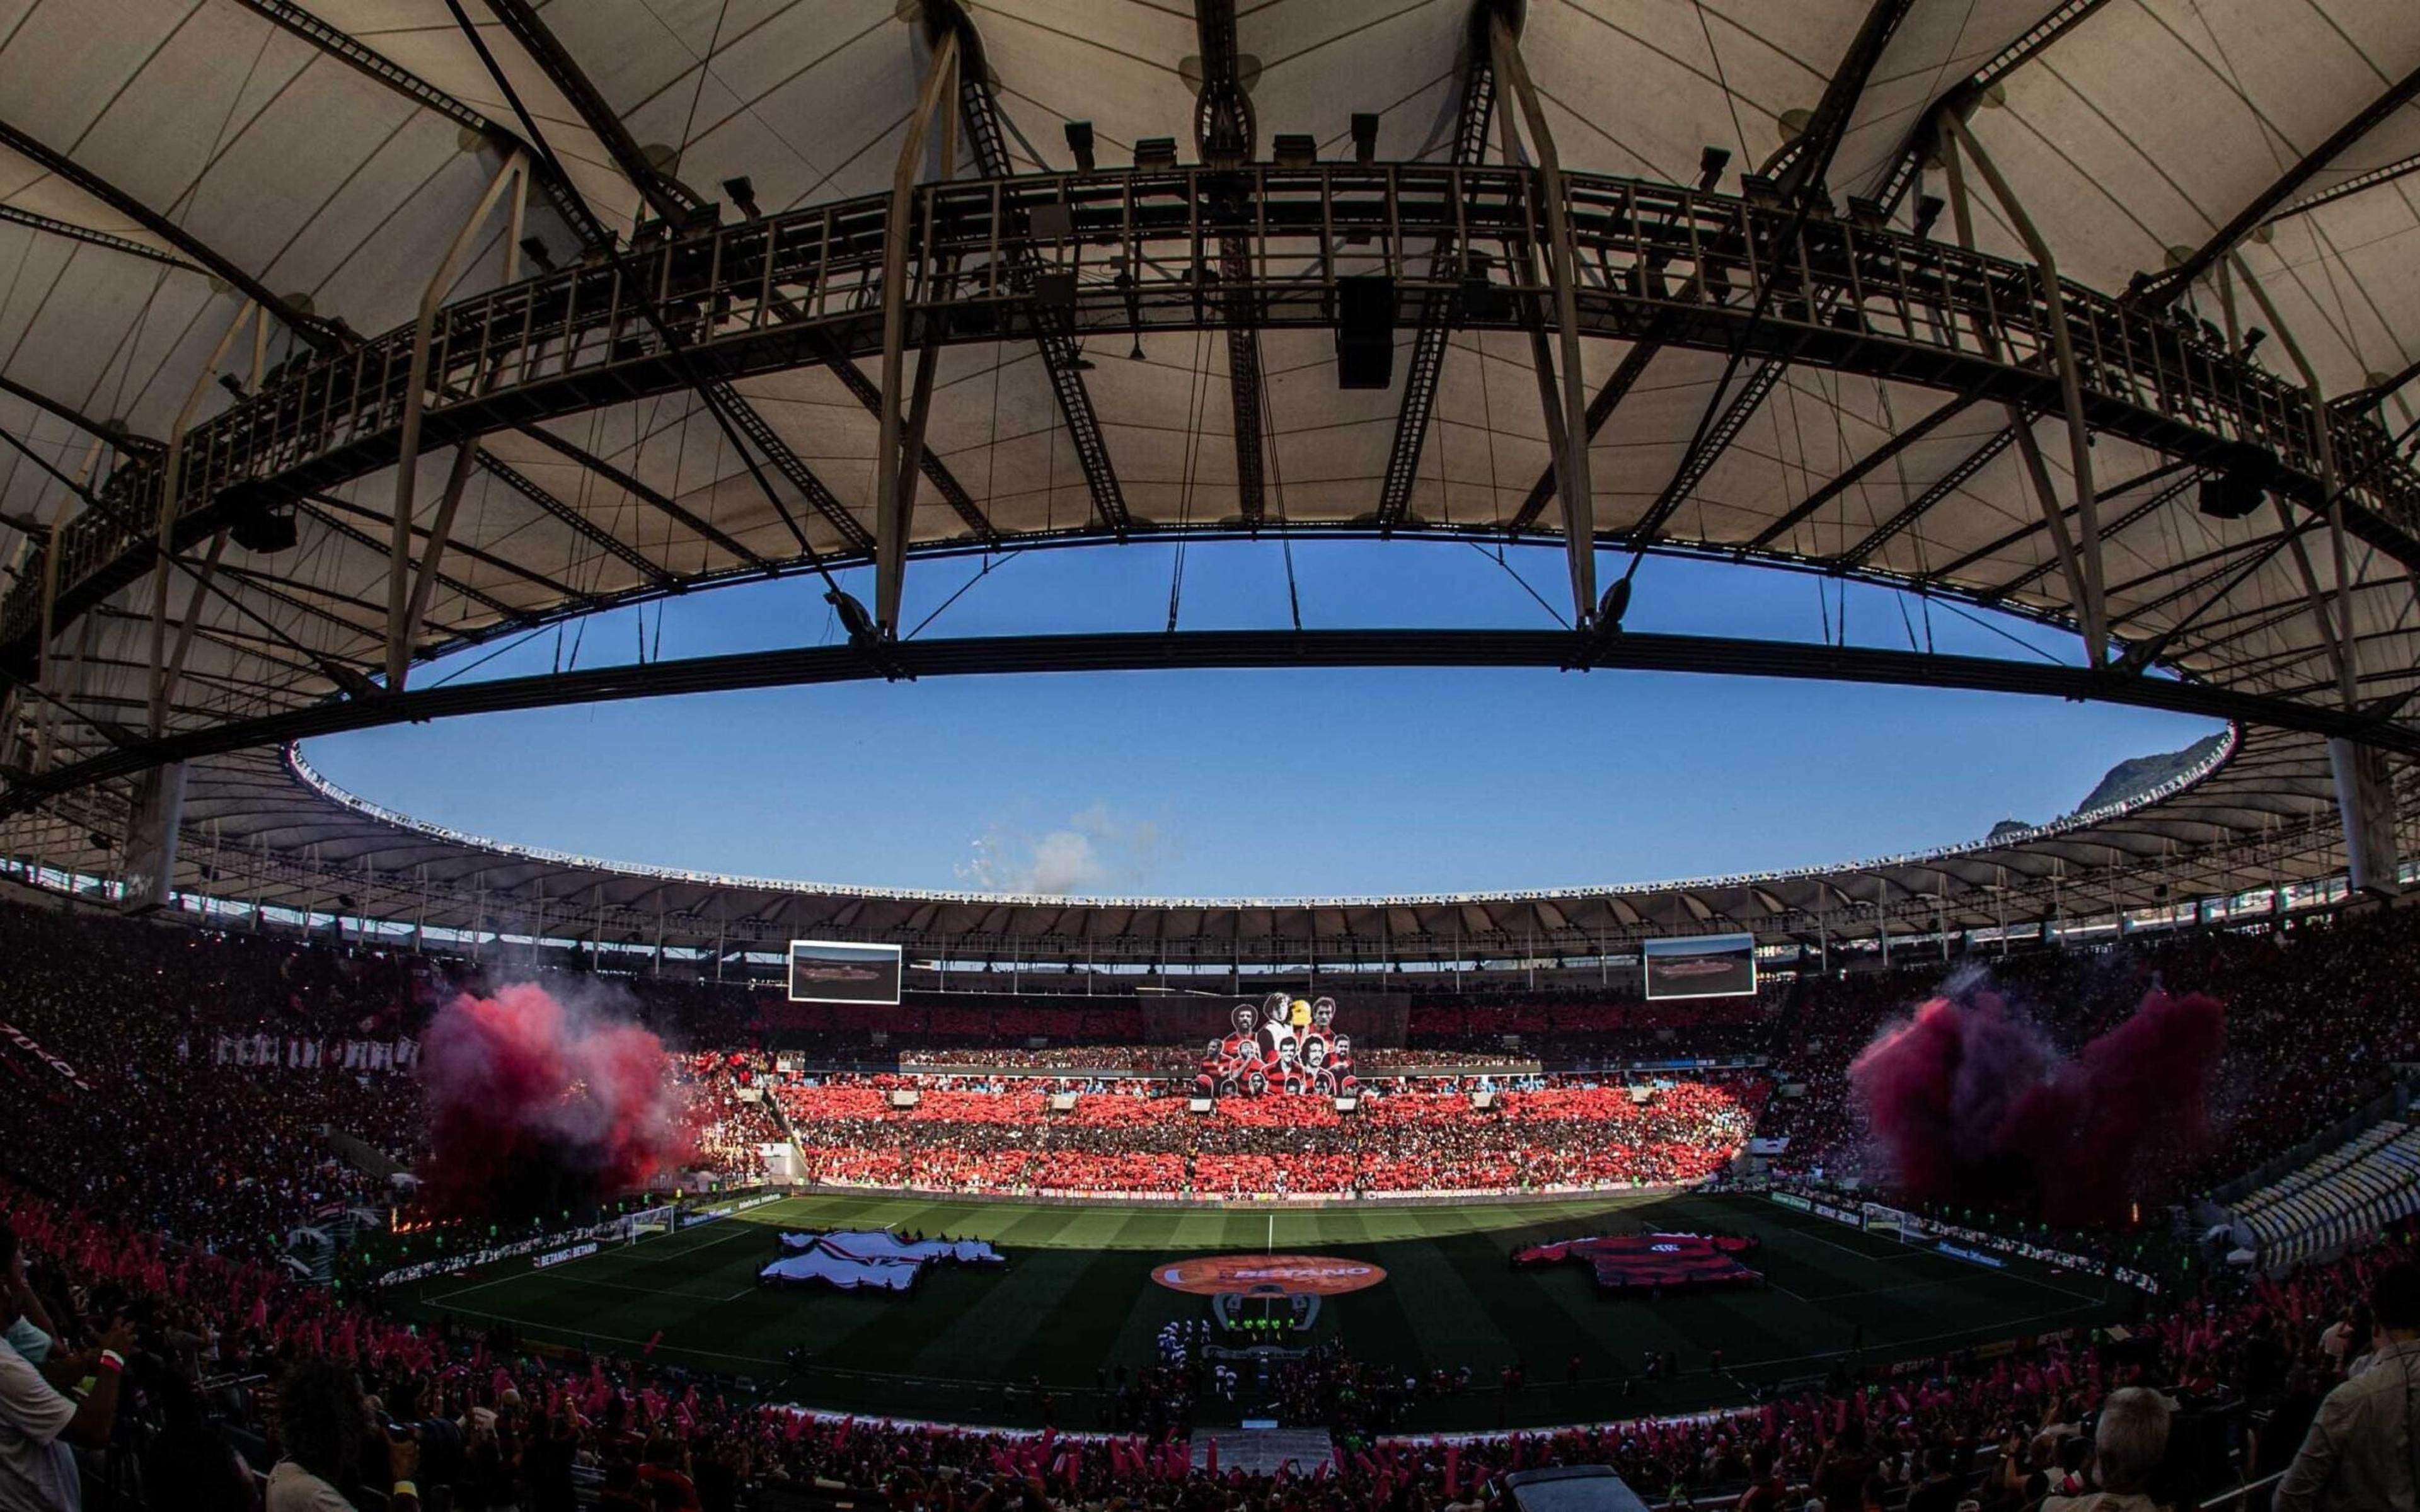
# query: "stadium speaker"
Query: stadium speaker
{"points": [[1482, 299], [257, 520], [1365, 332], [2241, 476], [1055, 291]]}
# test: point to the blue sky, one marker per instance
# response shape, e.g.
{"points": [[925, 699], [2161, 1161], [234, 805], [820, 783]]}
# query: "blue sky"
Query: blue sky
{"points": [[1259, 782]]}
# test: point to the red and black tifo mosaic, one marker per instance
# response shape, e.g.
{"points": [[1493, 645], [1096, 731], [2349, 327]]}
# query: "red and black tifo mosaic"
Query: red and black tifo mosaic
{"points": [[1646, 1263]]}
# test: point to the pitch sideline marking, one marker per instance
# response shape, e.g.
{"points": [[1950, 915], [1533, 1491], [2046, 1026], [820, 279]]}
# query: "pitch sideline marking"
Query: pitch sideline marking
{"points": [[561, 1272]]}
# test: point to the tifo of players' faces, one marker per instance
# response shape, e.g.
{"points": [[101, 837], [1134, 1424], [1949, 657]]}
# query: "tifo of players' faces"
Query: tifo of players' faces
{"points": [[166, 1235], [1290, 1046]]}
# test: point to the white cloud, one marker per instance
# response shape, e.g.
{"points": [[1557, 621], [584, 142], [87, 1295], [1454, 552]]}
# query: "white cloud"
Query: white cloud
{"points": [[1095, 849]]}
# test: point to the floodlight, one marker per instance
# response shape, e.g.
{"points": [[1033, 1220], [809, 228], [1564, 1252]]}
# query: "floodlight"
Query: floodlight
{"points": [[1365, 137], [1079, 141], [853, 618], [1613, 605], [741, 191], [1711, 163]]}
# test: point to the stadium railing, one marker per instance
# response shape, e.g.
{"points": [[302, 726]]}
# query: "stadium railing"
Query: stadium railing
{"points": [[2252, 1496]]}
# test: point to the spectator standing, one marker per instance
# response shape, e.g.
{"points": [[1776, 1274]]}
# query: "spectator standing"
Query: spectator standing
{"points": [[39, 1425], [2358, 1454]]}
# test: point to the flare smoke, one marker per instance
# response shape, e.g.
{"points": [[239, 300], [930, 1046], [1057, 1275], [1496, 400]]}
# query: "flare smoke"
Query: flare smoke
{"points": [[533, 1106], [1971, 1104]]}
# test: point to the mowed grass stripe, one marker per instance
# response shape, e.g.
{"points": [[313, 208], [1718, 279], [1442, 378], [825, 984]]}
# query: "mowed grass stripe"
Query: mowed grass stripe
{"points": [[1376, 1324], [1077, 1294], [1522, 1305], [1064, 1343]]}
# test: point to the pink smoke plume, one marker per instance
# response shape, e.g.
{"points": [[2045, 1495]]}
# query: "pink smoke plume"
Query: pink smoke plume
{"points": [[1970, 1103], [533, 1106]]}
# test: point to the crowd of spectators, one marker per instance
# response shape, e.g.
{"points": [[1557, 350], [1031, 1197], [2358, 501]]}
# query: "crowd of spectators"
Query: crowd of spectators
{"points": [[230, 1367], [2281, 1083], [150, 1178], [1165, 1059], [963, 1134]]}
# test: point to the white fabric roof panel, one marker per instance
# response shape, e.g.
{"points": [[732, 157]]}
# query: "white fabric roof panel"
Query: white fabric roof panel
{"points": [[2133, 132]]}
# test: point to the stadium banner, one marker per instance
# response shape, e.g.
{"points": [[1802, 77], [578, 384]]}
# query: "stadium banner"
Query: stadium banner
{"points": [[838, 971], [1838, 1215], [1791, 1199], [1375, 1020], [1915, 1229], [1257, 1202], [31, 1046], [540, 1243], [1701, 965], [1282, 1046]]}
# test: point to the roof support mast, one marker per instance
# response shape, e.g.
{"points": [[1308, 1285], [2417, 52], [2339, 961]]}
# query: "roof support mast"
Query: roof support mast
{"points": [[2340, 640], [163, 678], [2086, 573], [408, 599], [894, 493], [1568, 431]]}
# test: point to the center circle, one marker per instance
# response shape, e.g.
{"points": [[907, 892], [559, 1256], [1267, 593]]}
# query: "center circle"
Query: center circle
{"points": [[1210, 1274]]}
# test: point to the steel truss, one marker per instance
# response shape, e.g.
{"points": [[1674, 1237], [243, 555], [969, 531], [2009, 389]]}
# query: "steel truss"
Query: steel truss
{"points": [[1004, 655], [1685, 265]]}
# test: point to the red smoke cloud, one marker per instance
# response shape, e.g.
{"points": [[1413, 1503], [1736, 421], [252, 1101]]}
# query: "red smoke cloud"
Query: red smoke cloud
{"points": [[533, 1108], [1970, 1103]]}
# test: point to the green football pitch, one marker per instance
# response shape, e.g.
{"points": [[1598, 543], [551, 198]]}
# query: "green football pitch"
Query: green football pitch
{"points": [[1076, 1295]]}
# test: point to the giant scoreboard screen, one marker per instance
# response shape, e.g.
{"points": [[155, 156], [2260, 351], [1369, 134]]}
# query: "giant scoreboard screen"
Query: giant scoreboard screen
{"points": [[1701, 965], [832, 971]]}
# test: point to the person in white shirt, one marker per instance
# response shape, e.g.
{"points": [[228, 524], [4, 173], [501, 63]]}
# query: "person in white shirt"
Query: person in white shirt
{"points": [[38, 1425], [2336, 1338]]}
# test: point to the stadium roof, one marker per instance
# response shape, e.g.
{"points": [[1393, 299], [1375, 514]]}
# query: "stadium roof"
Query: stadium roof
{"points": [[219, 220]]}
